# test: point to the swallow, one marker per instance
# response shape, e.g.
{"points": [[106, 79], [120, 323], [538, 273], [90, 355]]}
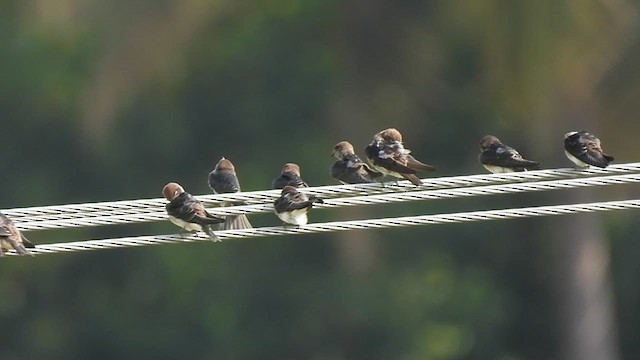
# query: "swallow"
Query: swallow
{"points": [[223, 180], [12, 238], [349, 169], [584, 149], [500, 158], [290, 175], [387, 154], [292, 206], [188, 212]]}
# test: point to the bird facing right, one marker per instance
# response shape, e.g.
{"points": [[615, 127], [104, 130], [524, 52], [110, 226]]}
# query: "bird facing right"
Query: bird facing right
{"points": [[12, 238], [188, 212], [584, 149], [500, 158]]}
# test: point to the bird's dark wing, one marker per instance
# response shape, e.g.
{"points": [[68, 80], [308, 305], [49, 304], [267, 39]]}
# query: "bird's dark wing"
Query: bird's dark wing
{"points": [[417, 165], [505, 156], [205, 218], [181, 207], [338, 169], [224, 182], [188, 208], [373, 173], [352, 161], [201, 216], [280, 182], [290, 202], [288, 178], [357, 175], [396, 163], [586, 147]]}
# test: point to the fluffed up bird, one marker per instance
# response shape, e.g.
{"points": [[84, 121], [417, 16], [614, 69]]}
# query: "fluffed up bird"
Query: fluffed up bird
{"points": [[290, 175], [387, 154], [349, 169], [500, 158], [188, 212], [223, 180], [292, 206], [584, 149], [12, 238]]}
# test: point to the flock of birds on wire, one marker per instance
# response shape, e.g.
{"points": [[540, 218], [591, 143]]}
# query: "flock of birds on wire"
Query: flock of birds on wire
{"points": [[387, 157]]}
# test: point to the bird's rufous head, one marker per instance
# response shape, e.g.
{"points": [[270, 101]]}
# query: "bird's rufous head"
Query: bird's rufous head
{"points": [[487, 141], [291, 167], [341, 149], [390, 134], [224, 165], [172, 190]]}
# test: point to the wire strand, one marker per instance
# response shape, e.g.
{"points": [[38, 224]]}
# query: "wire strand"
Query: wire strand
{"points": [[100, 218], [137, 207], [460, 217]]}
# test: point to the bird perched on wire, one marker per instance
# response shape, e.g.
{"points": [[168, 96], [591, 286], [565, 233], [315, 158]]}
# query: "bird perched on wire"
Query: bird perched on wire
{"points": [[223, 180], [349, 169], [500, 158], [292, 206], [584, 149], [290, 175], [188, 212], [12, 238], [387, 154]]}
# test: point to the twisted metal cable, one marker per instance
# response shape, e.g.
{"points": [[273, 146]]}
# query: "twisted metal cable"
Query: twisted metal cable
{"points": [[137, 207], [345, 201], [460, 217]]}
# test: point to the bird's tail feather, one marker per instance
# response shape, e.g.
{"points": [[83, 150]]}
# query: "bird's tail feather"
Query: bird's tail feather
{"points": [[207, 229], [414, 179], [414, 164], [235, 222], [20, 249], [26, 242]]}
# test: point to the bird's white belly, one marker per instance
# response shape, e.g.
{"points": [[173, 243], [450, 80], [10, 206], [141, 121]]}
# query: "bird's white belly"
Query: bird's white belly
{"points": [[185, 225], [498, 169], [295, 217], [5, 245], [576, 161]]}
